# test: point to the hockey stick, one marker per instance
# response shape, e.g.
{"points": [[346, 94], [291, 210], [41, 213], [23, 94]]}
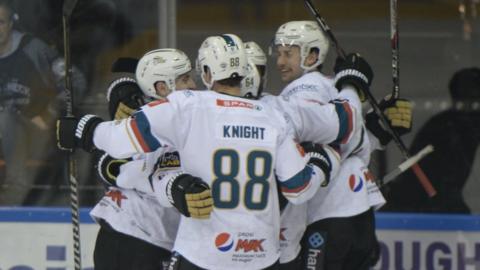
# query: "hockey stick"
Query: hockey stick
{"points": [[395, 52], [424, 181], [407, 164], [68, 6], [394, 42]]}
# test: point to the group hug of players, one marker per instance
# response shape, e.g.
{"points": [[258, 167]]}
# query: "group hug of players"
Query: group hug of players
{"points": [[232, 177]]}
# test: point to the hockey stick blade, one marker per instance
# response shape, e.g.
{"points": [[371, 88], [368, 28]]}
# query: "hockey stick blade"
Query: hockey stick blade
{"points": [[125, 64], [407, 164], [68, 6]]}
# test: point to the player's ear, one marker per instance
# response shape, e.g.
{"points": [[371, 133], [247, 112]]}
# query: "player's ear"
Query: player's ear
{"points": [[162, 89], [207, 75], [311, 58]]}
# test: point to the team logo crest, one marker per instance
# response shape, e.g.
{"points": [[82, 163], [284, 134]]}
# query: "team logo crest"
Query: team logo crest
{"points": [[355, 185], [169, 160], [224, 242]]}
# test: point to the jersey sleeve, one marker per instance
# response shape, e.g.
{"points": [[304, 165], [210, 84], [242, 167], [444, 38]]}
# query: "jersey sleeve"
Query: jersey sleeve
{"points": [[156, 125], [333, 122], [298, 181]]}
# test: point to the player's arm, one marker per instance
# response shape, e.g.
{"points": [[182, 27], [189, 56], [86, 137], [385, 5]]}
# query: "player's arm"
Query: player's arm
{"points": [[144, 132], [300, 174]]}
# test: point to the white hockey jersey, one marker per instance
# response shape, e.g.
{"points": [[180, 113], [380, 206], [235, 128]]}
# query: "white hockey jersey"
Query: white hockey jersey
{"points": [[235, 145], [133, 209], [315, 87]]}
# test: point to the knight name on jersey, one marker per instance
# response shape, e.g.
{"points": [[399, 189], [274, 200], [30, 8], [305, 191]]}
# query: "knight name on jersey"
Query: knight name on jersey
{"points": [[245, 132]]}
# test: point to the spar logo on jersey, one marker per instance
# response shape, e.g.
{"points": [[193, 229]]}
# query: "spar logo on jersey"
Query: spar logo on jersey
{"points": [[238, 104], [224, 242], [355, 183]]}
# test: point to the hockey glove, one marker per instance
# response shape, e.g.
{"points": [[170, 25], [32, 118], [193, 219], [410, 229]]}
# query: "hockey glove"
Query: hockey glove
{"points": [[124, 98], [108, 169], [73, 132], [319, 157], [190, 195], [355, 71], [399, 115]]}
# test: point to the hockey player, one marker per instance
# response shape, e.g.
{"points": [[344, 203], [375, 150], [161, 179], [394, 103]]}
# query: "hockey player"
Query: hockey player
{"points": [[291, 229], [256, 79], [136, 231], [301, 48], [233, 143]]}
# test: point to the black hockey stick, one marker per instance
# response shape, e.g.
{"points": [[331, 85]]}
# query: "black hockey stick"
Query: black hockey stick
{"points": [[394, 42], [424, 181], [68, 6]]}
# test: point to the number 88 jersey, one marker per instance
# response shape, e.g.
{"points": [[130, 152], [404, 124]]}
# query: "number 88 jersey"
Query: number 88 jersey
{"points": [[239, 147]]}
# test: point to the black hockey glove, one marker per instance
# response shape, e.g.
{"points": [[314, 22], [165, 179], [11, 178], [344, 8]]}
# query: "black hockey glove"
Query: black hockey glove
{"points": [[124, 98], [190, 195], [108, 169], [73, 132], [398, 113], [319, 157], [355, 71]]}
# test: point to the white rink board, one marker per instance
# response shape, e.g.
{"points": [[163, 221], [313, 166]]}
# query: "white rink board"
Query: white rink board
{"points": [[428, 242], [37, 244], [41, 239]]}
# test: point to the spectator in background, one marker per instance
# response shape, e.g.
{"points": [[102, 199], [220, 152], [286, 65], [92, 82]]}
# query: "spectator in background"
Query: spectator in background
{"points": [[30, 77], [455, 135]]}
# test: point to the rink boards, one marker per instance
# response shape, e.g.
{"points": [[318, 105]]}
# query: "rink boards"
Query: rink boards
{"points": [[41, 238]]}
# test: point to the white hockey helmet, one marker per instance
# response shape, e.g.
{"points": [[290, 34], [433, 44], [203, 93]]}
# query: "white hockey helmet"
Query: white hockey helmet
{"points": [[224, 56], [251, 83], [163, 65], [306, 35], [255, 53]]}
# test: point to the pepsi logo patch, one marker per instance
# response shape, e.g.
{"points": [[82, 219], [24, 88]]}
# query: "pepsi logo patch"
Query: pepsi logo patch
{"points": [[224, 242], [355, 185]]}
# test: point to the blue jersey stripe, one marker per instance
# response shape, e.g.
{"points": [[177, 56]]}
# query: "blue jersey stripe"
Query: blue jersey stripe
{"points": [[143, 132], [345, 120], [298, 181]]}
